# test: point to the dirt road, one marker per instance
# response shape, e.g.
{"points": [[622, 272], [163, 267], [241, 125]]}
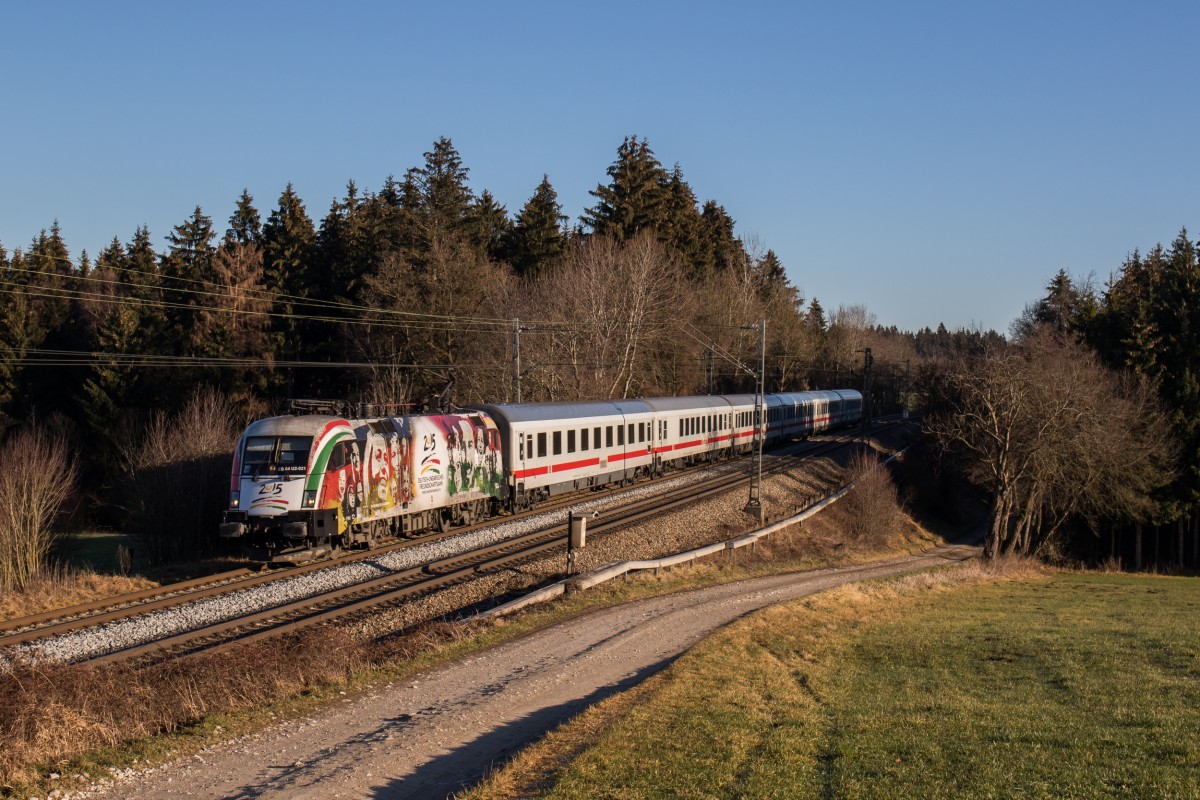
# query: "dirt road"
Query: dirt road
{"points": [[441, 732]]}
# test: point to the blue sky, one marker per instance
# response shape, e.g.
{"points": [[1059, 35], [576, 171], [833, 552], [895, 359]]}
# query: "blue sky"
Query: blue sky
{"points": [[936, 162]]}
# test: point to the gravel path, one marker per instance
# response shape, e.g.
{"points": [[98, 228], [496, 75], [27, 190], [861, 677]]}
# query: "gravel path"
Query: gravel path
{"points": [[441, 732]]}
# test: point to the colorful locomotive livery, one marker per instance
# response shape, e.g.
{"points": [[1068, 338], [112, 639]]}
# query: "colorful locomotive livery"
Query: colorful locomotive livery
{"points": [[303, 485]]}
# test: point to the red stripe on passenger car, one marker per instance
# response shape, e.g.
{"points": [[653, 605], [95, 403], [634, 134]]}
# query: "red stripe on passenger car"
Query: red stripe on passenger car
{"points": [[587, 462], [529, 473]]}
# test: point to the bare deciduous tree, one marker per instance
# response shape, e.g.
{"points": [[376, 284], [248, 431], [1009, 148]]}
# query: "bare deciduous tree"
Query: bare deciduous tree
{"points": [[617, 304], [873, 504], [1053, 435], [37, 476], [177, 476]]}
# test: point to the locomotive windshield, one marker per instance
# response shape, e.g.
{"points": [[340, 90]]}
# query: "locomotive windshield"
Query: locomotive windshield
{"points": [[275, 455]]}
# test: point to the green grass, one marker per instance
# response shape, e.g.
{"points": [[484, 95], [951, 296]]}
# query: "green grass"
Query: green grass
{"points": [[1070, 685]]}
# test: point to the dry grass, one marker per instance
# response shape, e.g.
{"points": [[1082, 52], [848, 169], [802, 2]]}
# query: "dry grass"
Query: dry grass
{"points": [[62, 587], [531, 771], [651, 705], [52, 713]]}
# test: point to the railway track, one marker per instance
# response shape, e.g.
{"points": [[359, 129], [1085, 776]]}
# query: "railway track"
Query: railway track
{"points": [[393, 586]]}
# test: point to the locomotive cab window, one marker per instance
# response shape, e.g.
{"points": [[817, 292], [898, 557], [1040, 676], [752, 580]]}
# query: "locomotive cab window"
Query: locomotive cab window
{"points": [[276, 455]]}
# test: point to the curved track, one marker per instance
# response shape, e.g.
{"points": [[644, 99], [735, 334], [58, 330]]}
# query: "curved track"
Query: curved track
{"points": [[383, 583]]}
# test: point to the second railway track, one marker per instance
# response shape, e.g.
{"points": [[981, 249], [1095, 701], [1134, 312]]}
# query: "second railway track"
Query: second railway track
{"points": [[382, 583]]}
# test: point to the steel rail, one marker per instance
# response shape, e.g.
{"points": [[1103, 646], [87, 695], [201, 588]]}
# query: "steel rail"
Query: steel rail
{"points": [[406, 584]]}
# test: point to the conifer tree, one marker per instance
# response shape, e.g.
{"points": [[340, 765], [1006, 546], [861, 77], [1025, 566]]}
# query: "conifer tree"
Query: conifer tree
{"points": [[771, 275], [683, 230], [187, 269], [634, 200], [18, 330], [52, 281], [719, 240], [239, 326], [289, 242], [538, 238], [288, 238], [245, 224], [489, 227], [439, 189]]}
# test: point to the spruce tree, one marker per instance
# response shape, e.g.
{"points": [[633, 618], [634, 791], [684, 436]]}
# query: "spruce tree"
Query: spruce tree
{"points": [[683, 230], [288, 239], [17, 332], [538, 238], [771, 275], [488, 226], [245, 224], [720, 242], [187, 272], [634, 199], [289, 243], [439, 189]]}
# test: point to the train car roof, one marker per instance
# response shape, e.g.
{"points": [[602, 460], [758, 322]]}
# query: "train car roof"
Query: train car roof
{"points": [[291, 425], [687, 403], [540, 412]]}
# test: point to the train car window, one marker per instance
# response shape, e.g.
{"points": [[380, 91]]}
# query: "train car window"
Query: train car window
{"points": [[542, 445], [596, 436], [583, 439], [571, 441], [608, 442], [630, 432], [641, 431], [558, 443], [620, 435], [521, 448]]}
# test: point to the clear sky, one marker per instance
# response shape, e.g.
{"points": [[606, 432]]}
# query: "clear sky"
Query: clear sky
{"points": [[936, 162]]}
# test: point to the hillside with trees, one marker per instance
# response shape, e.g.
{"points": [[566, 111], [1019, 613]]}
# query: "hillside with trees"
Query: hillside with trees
{"points": [[419, 293]]}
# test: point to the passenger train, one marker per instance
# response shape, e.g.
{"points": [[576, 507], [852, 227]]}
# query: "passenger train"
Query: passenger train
{"points": [[303, 485]]}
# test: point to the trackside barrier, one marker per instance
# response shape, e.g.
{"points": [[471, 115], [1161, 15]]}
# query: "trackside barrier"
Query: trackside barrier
{"points": [[620, 568]]}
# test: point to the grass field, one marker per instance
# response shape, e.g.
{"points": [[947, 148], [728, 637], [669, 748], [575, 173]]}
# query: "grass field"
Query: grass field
{"points": [[1061, 685]]}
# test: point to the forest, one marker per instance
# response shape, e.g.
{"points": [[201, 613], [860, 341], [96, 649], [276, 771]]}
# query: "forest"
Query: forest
{"points": [[138, 366]]}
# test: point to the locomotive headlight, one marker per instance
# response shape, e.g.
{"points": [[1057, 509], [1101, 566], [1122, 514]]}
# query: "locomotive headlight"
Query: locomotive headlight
{"points": [[310, 499], [235, 498]]}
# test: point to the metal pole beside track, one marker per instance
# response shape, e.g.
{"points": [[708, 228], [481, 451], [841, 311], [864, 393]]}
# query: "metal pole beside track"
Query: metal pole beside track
{"points": [[755, 505]]}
